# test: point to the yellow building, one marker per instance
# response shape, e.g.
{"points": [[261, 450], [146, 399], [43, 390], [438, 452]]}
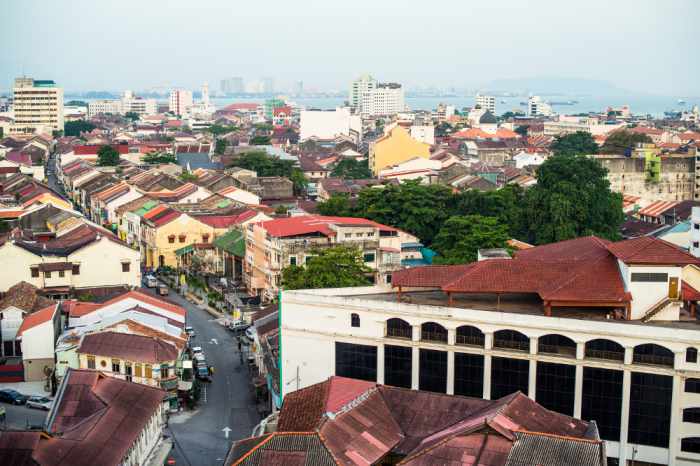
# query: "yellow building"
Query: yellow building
{"points": [[395, 147]]}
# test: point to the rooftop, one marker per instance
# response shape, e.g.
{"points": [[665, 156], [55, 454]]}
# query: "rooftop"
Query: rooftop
{"points": [[129, 347]]}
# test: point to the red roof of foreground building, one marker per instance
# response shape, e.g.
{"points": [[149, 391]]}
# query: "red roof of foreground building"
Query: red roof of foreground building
{"points": [[583, 270], [137, 348], [374, 421], [37, 318], [306, 224]]}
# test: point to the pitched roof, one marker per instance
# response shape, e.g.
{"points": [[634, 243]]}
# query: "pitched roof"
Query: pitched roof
{"points": [[281, 448], [149, 299], [656, 209], [96, 420], [232, 242], [306, 224], [226, 221], [24, 296], [129, 347], [37, 318], [650, 250]]}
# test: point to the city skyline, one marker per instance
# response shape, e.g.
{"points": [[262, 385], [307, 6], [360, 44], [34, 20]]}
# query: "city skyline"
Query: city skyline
{"points": [[465, 47]]}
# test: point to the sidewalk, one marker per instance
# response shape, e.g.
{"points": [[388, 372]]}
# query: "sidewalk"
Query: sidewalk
{"points": [[27, 388]]}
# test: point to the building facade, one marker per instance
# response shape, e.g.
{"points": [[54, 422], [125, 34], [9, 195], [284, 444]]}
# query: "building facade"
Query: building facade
{"points": [[395, 147], [38, 106], [486, 102], [180, 101]]}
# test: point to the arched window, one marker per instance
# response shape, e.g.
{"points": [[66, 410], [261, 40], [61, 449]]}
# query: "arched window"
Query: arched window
{"points": [[691, 355], [691, 444], [601, 348], [431, 331], [556, 344], [468, 335], [511, 339], [354, 320], [398, 328], [691, 415], [650, 353]]}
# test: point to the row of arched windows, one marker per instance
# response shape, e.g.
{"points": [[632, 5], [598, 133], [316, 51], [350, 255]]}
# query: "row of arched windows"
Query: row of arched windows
{"points": [[554, 344]]}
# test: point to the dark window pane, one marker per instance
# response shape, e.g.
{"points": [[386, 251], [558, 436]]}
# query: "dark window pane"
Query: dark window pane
{"points": [[397, 366], [650, 409], [691, 415], [605, 349], [508, 376], [602, 400], [555, 388], [430, 331], [558, 345], [398, 328], [650, 277], [691, 355], [433, 371], [653, 354], [356, 361], [354, 320], [468, 335], [469, 375], [511, 340], [692, 385], [691, 444]]}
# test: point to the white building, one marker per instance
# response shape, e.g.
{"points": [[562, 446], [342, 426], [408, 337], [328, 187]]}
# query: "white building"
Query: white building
{"points": [[140, 106], [384, 99], [423, 133], [180, 101], [38, 106], [602, 337], [538, 107], [328, 124], [418, 168], [566, 124], [97, 107], [524, 159], [695, 232], [362, 85], [38, 334], [487, 102]]}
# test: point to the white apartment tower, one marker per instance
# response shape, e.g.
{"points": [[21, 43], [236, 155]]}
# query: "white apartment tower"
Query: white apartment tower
{"points": [[487, 102], [180, 101], [38, 106], [371, 98], [359, 87], [538, 107]]}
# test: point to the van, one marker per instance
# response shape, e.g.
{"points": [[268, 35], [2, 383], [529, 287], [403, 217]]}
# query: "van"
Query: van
{"points": [[151, 281]]}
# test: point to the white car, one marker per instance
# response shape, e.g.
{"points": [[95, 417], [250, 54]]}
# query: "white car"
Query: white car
{"points": [[39, 402], [197, 350]]}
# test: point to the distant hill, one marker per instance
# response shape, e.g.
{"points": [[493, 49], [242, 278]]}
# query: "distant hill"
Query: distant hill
{"points": [[555, 86]]}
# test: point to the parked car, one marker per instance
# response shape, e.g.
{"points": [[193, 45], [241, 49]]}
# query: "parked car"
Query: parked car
{"points": [[203, 372], [250, 333], [163, 290], [8, 395], [39, 402], [238, 326], [151, 281], [190, 331], [197, 350]]}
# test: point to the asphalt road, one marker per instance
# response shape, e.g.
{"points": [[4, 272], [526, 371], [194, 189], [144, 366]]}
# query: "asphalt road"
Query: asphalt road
{"points": [[51, 178], [19, 417], [226, 401]]}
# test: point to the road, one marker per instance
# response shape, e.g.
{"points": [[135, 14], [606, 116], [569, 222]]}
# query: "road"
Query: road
{"points": [[18, 417], [199, 436], [51, 178]]}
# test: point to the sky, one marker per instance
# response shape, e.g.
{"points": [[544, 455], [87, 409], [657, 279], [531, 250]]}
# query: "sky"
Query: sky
{"points": [[645, 46]]}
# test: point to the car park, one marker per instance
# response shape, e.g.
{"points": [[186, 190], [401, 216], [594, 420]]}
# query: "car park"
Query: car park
{"points": [[39, 402], [8, 395]]}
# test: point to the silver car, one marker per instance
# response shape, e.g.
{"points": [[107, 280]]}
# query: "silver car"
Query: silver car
{"points": [[39, 402]]}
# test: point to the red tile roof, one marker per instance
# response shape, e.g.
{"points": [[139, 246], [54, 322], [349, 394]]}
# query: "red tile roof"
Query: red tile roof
{"points": [[689, 293], [306, 224], [657, 208], [97, 420], [38, 318], [95, 148], [127, 346], [226, 221], [650, 250], [147, 298]]}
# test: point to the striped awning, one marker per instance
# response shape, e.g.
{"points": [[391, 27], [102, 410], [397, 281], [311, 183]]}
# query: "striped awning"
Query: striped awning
{"points": [[657, 208]]}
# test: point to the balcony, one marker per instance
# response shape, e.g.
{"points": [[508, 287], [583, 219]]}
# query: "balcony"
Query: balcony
{"points": [[469, 340], [606, 355], [557, 350], [511, 345], [653, 360], [403, 333]]}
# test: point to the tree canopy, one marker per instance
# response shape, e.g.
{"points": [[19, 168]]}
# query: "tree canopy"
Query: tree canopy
{"points": [[217, 129], [74, 128], [338, 206], [622, 141], [351, 169], [220, 146], [266, 165], [461, 237], [572, 198], [133, 116], [335, 267], [159, 157], [521, 130], [578, 143], [260, 140], [108, 156]]}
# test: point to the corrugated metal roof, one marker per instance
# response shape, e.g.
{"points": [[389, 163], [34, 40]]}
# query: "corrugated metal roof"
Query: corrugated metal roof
{"points": [[550, 450]]}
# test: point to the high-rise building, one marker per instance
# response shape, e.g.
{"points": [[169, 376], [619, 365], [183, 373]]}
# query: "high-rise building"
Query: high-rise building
{"points": [[180, 101], [38, 106], [360, 86], [487, 102], [133, 104], [232, 85], [538, 107], [268, 85], [111, 106]]}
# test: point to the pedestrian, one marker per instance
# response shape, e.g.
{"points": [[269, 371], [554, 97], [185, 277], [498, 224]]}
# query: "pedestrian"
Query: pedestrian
{"points": [[211, 370]]}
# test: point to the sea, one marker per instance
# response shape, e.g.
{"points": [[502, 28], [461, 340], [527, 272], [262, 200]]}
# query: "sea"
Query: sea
{"points": [[652, 105]]}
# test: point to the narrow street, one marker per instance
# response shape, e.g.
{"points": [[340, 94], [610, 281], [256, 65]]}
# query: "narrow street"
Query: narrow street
{"points": [[225, 402]]}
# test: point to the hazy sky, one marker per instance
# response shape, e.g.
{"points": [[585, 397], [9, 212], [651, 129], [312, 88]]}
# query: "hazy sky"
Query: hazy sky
{"points": [[641, 45]]}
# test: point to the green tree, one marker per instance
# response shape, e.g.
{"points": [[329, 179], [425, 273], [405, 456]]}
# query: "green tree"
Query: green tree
{"points": [[338, 205], [74, 128], [108, 156], [133, 116], [265, 165], [508, 115], [351, 169], [299, 181], [460, 238], [578, 143], [505, 204], [217, 130], [335, 267], [410, 206], [220, 146], [521, 130], [260, 140], [76, 103], [572, 198], [159, 157], [622, 141], [188, 177]]}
